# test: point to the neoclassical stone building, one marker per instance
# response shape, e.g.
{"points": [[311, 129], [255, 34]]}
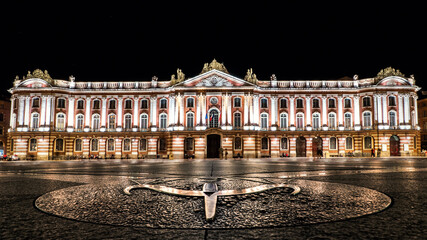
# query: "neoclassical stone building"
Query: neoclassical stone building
{"points": [[213, 112]]}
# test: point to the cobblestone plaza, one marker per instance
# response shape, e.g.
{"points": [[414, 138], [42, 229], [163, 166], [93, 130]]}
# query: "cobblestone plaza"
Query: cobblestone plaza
{"points": [[355, 198]]}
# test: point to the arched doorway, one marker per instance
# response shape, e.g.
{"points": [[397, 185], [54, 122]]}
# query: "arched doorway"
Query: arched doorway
{"points": [[301, 146], [317, 145], [394, 145], [213, 145]]}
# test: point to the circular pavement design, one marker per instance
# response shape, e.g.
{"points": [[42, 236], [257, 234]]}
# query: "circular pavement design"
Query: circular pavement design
{"points": [[316, 203]]}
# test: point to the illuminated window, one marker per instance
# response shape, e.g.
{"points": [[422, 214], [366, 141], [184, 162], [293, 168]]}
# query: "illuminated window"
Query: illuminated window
{"points": [[283, 120], [78, 145], [111, 121], [59, 145], [213, 118], [60, 121], [333, 143], [32, 145], [126, 145], [110, 144]]}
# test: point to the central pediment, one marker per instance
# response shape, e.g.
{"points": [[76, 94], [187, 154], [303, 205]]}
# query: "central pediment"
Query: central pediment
{"points": [[214, 78]]}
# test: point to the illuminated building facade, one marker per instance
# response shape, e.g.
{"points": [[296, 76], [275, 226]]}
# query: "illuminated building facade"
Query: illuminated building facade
{"points": [[211, 113]]}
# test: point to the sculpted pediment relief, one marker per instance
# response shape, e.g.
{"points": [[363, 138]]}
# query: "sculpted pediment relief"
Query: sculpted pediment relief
{"points": [[215, 78], [214, 81]]}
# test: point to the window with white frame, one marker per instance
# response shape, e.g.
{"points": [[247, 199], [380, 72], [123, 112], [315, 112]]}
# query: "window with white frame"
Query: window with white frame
{"points": [[316, 120], [237, 102], [347, 103], [300, 120], [78, 145], [143, 144], [283, 120], [163, 103], [79, 121], [347, 120], [111, 121], [264, 120], [128, 121], [60, 121], [190, 119], [126, 145], [36, 102], [237, 120], [332, 120], [144, 121], [348, 143], [95, 122], [333, 143], [367, 119], [264, 103], [110, 144], [94, 145], [190, 102], [366, 101], [392, 118], [162, 120], [391, 101], [34, 120]]}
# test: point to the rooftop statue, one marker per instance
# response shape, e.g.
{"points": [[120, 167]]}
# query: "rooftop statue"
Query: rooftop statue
{"points": [[214, 65], [250, 76]]}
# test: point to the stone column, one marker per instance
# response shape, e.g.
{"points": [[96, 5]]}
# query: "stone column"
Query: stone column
{"points": [[308, 111], [406, 109], [356, 113], [246, 110], [292, 111], [104, 114], [273, 111], [49, 103], [256, 109], [70, 123], [135, 113], [27, 111], [43, 112], [379, 109], [153, 112], [198, 110], [181, 110], [223, 109], [385, 113], [229, 106], [400, 103], [120, 114], [203, 109], [12, 107], [415, 108], [340, 114], [21, 111], [324, 112], [171, 111], [87, 114]]}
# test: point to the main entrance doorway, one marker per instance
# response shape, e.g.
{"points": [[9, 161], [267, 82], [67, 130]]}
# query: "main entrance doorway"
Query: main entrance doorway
{"points": [[301, 146], [317, 145], [394, 145], [213, 145]]}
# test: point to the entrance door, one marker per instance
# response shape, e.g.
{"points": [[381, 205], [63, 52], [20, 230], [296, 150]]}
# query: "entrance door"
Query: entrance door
{"points": [[317, 145], [394, 145], [301, 145], [213, 145]]}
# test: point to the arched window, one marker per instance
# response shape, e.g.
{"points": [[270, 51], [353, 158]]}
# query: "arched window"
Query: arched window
{"points": [[367, 120], [316, 121], [126, 145], [34, 120], [316, 103], [332, 120], [111, 121], [237, 120], [110, 145], [163, 118], [60, 121], [333, 143], [128, 104], [264, 143], [144, 121], [284, 143], [128, 122], [95, 122], [144, 103], [163, 103], [94, 145], [347, 120], [392, 101], [59, 145], [190, 119], [367, 142], [143, 144], [237, 102], [347, 103], [366, 101], [300, 103], [283, 120], [112, 104], [79, 121], [264, 120], [392, 119], [190, 102], [78, 145], [32, 145], [283, 103], [237, 143], [331, 103], [213, 118], [96, 104], [60, 103], [348, 143], [264, 103], [300, 120], [80, 104]]}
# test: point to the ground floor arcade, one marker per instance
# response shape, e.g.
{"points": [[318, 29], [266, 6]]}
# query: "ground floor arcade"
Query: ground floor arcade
{"points": [[213, 143]]}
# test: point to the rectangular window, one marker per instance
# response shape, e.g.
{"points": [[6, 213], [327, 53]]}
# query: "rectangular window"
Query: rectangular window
{"points": [[284, 143], [331, 103], [316, 103], [347, 103], [366, 102], [36, 102], [333, 143], [237, 102], [61, 103], [189, 144], [144, 103], [80, 104], [283, 103], [96, 104], [300, 103], [143, 144], [190, 102], [33, 145]]}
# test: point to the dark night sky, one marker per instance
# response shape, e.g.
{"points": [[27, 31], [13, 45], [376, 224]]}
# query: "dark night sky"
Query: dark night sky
{"points": [[135, 42]]}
